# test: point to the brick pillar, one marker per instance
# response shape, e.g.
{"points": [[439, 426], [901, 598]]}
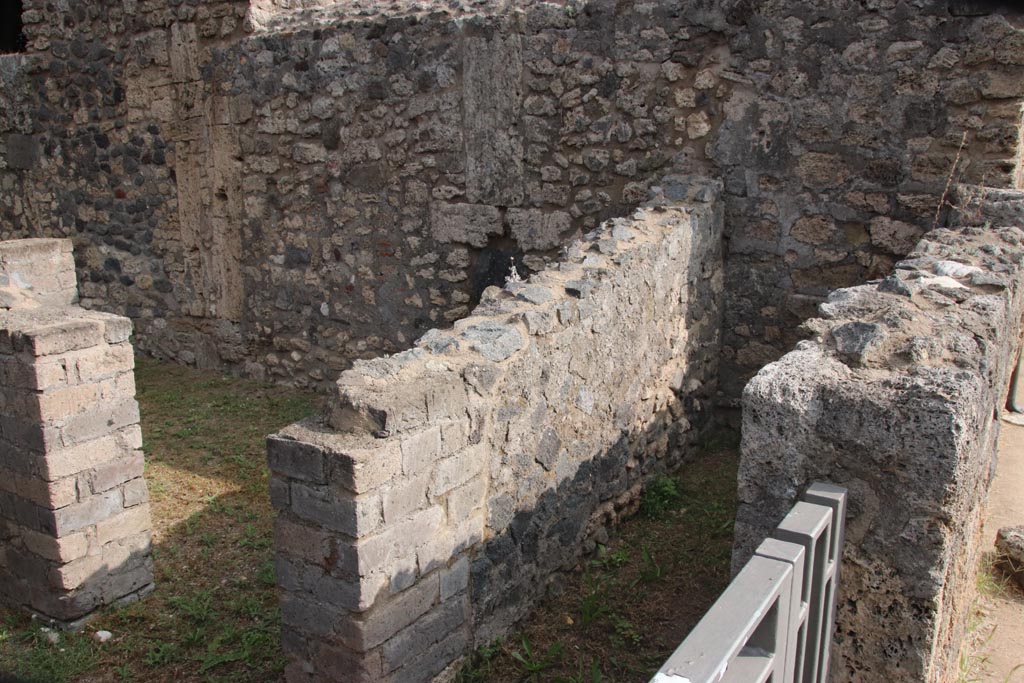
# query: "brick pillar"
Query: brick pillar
{"points": [[74, 511], [372, 543]]}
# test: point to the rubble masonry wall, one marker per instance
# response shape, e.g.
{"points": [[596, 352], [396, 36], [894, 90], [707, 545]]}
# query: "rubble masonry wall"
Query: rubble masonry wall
{"points": [[286, 195]]}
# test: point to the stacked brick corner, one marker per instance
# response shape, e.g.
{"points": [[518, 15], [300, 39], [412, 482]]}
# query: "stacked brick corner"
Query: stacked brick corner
{"points": [[74, 511]]}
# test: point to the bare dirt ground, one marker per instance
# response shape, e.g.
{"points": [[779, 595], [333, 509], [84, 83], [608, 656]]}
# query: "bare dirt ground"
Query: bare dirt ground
{"points": [[997, 654]]}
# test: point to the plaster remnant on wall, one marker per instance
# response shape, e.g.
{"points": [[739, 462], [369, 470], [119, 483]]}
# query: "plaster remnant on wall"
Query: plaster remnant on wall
{"points": [[538, 230], [471, 224], [493, 63]]}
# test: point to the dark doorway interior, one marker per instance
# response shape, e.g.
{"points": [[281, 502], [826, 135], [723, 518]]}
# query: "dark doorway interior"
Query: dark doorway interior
{"points": [[12, 38], [493, 264]]}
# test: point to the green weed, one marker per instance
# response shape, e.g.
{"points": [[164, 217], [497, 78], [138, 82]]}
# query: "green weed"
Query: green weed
{"points": [[250, 606], [583, 675], [266, 574], [626, 634], [124, 673], [478, 664], [194, 637], [992, 580], [532, 664], [661, 496], [594, 603], [651, 570], [253, 539], [196, 608], [160, 654], [611, 561]]}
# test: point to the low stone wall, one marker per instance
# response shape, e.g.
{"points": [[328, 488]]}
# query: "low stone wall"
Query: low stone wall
{"points": [[74, 511], [896, 396], [451, 481]]}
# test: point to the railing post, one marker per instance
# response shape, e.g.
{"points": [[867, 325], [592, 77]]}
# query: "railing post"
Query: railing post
{"points": [[810, 526], [833, 497], [796, 633], [774, 621], [742, 638]]}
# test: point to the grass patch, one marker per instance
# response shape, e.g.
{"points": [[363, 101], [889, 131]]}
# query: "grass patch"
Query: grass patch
{"points": [[994, 579], [214, 616], [633, 602], [64, 659], [993, 584]]}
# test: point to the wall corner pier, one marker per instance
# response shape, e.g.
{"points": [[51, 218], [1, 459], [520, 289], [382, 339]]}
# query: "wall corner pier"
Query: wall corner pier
{"points": [[896, 396], [425, 514], [74, 511]]}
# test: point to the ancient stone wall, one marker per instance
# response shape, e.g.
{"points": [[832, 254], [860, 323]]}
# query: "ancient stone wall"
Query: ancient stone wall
{"points": [[74, 511], [400, 163], [896, 397], [839, 140], [449, 482], [282, 196], [84, 156]]}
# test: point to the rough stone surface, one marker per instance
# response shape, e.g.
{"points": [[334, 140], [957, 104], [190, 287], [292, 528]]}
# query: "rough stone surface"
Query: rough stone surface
{"points": [[37, 272], [980, 205], [460, 476], [74, 510], [540, 230], [1010, 546], [284, 188], [492, 92], [467, 223], [893, 397], [494, 341], [252, 182]]}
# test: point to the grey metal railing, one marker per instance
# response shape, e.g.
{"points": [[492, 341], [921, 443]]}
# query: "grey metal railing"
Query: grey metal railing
{"points": [[773, 623]]}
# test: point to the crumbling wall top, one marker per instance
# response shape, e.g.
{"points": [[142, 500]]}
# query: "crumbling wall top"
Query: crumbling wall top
{"points": [[893, 397], [284, 15]]}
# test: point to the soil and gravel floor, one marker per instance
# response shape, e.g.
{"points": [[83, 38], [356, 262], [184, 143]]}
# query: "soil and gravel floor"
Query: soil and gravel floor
{"points": [[214, 617], [996, 654]]}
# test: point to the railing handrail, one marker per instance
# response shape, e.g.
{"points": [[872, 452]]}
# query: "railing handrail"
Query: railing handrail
{"points": [[774, 621]]}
